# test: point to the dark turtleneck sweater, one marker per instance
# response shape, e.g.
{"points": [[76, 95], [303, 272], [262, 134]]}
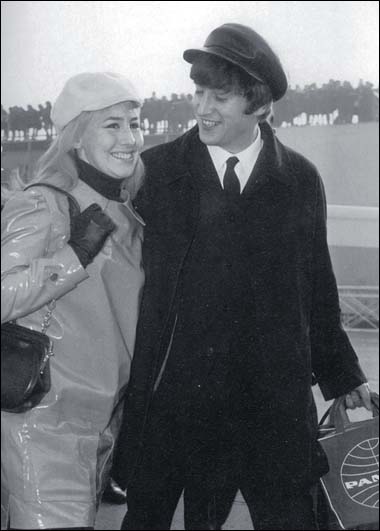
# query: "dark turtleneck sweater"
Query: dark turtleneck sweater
{"points": [[105, 185]]}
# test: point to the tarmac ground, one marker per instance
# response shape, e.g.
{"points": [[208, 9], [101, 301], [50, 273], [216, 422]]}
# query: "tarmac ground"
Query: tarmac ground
{"points": [[366, 345]]}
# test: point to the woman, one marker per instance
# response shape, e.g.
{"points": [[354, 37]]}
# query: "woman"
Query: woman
{"points": [[56, 455]]}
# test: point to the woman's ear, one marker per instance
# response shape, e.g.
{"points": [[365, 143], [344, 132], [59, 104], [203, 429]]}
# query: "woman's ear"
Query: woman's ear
{"points": [[78, 144]]}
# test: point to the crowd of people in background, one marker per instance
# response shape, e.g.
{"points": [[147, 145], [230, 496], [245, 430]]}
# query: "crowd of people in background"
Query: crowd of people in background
{"points": [[21, 124], [332, 104]]}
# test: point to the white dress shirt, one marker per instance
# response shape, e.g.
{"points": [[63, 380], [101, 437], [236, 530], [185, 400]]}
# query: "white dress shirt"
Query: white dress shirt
{"points": [[247, 160]]}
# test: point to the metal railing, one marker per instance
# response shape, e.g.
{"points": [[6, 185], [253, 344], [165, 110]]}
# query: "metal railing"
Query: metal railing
{"points": [[359, 307]]}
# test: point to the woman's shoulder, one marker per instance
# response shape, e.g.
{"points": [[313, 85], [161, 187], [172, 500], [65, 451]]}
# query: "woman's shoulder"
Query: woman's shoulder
{"points": [[20, 201], [37, 205]]}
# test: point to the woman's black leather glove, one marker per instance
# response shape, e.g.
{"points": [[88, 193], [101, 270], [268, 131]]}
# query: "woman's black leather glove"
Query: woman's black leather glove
{"points": [[89, 231]]}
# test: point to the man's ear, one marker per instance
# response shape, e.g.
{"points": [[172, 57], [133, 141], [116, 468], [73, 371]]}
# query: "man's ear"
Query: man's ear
{"points": [[264, 109]]}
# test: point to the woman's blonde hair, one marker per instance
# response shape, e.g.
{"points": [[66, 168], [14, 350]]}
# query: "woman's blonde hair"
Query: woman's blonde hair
{"points": [[58, 167]]}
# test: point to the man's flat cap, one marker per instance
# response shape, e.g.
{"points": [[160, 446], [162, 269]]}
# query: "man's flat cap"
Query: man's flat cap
{"points": [[245, 48]]}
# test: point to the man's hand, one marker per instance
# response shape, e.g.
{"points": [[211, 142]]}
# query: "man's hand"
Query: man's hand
{"points": [[359, 397]]}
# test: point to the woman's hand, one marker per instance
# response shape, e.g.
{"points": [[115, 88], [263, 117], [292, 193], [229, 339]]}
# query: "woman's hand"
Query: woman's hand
{"points": [[89, 231]]}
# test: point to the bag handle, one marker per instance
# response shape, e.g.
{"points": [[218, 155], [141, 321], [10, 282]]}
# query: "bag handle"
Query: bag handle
{"points": [[337, 413]]}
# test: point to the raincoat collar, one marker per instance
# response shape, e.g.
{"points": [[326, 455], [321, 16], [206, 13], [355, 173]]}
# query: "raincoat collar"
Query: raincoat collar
{"points": [[87, 195]]}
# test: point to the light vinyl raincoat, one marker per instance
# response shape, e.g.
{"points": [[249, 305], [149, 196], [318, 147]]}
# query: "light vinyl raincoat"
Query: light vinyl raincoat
{"points": [[55, 456]]}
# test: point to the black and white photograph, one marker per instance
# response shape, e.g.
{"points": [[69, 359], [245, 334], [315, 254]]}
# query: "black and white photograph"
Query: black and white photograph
{"points": [[189, 265]]}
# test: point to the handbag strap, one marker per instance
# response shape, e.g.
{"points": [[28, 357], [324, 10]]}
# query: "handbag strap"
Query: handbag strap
{"points": [[74, 208], [48, 315]]}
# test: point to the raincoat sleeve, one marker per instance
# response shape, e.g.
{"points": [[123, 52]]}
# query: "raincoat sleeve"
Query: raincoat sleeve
{"points": [[335, 364], [37, 264]]}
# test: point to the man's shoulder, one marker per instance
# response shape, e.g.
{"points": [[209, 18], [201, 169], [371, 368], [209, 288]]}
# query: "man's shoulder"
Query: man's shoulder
{"points": [[288, 160], [296, 159], [302, 170], [165, 153]]}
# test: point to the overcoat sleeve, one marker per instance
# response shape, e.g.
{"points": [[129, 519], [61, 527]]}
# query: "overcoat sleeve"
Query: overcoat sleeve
{"points": [[37, 264], [334, 362]]}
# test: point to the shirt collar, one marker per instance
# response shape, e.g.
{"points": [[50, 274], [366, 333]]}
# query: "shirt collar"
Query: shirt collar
{"points": [[247, 158]]}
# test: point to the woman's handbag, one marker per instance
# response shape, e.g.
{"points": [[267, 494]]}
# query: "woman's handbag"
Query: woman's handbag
{"points": [[25, 354], [25, 369], [351, 487]]}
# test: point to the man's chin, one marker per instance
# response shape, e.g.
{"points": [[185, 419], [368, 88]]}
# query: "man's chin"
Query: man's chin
{"points": [[207, 138]]}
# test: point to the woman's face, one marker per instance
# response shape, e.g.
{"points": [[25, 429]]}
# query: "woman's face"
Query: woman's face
{"points": [[112, 140]]}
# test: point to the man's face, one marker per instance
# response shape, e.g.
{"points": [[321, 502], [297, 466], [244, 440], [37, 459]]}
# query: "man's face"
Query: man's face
{"points": [[221, 119]]}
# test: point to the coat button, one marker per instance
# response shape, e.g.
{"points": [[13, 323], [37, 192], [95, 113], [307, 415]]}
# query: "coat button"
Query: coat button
{"points": [[210, 351], [54, 277], [231, 217]]}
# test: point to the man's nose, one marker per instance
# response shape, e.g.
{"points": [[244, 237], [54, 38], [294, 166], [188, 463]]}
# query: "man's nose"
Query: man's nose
{"points": [[204, 104]]}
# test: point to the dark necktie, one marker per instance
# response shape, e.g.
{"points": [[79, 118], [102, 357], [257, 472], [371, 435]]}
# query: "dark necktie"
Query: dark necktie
{"points": [[231, 182]]}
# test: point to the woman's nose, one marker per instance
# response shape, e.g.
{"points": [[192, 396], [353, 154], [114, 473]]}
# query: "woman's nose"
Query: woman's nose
{"points": [[127, 137]]}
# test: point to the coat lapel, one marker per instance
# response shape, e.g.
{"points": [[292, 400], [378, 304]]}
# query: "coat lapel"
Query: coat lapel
{"points": [[270, 191], [201, 167], [176, 211], [272, 165]]}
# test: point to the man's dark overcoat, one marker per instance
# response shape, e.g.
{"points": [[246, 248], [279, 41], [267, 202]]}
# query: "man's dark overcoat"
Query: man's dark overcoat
{"points": [[292, 336]]}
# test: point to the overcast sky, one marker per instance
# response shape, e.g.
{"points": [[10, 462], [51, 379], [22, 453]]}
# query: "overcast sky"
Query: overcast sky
{"points": [[44, 43]]}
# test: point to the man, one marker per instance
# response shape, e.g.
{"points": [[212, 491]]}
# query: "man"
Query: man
{"points": [[240, 310]]}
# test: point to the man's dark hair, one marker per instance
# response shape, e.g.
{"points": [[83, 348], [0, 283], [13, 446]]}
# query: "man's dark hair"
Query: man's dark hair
{"points": [[215, 72]]}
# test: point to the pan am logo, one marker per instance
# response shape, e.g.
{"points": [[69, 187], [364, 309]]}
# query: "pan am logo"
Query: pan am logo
{"points": [[360, 473]]}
